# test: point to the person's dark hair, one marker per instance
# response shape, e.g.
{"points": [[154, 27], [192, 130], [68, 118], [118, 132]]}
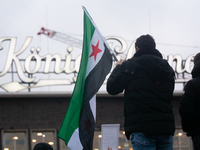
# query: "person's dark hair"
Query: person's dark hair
{"points": [[145, 42], [42, 146], [196, 58]]}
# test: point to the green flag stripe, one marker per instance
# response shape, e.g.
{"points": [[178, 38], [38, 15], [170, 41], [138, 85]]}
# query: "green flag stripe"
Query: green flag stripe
{"points": [[71, 119]]}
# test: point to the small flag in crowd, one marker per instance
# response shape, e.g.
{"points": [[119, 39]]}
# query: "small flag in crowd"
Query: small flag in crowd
{"points": [[78, 126]]}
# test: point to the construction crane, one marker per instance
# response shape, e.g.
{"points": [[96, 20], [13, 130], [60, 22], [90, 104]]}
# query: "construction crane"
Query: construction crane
{"points": [[61, 37]]}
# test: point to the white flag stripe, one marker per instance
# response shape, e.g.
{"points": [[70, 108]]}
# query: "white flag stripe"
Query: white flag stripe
{"points": [[93, 106], [91, 61], [74, 142]]}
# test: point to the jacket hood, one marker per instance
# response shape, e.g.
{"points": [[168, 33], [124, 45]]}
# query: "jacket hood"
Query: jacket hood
{"points": [[196, 70], [152, 61], [158, 69], [154, 52]]}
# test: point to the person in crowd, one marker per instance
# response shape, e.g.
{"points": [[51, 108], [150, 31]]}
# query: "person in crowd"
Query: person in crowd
{"points": [[190, 105], [148, 84], [42, 146]]}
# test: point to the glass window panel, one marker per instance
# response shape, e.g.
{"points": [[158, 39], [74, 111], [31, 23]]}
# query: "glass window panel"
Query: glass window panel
{"points": [[63, 145], [13, 140], [124, 144], [8, 141], [184, 139], [97, 140], [181, 141], [175, 142], [43, 136]]}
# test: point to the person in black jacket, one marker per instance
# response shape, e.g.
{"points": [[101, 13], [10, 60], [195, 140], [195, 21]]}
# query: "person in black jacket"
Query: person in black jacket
{"points": [[148, 84], [190, 105]]}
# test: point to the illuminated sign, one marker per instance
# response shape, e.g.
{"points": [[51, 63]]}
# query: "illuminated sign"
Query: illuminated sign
{"points": [[26, 71]]}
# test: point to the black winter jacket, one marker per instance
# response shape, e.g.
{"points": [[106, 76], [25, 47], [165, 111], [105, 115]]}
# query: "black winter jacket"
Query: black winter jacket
{"points": [[190, 104], [148, 81]]}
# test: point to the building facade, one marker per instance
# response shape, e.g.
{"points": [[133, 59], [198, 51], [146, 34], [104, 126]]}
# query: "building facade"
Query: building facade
{"points": [[29, 118]]}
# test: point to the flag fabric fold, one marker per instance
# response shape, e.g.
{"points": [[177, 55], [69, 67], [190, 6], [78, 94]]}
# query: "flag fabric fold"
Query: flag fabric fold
{"points": [[77, 129]]}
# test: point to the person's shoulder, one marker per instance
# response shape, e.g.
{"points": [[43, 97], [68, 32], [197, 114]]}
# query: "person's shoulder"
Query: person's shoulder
{"points": [[194, 82], [149, 59], [130, 61]]}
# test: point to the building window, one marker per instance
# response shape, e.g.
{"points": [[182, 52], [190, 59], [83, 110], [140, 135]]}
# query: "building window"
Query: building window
{"points": [[124, 144], [97, 140], [15, 139], [63, 145], [46, 136], [181, 141]]}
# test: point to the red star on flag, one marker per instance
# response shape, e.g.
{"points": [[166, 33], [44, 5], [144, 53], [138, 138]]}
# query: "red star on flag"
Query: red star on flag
{"points": [[95, 51]]}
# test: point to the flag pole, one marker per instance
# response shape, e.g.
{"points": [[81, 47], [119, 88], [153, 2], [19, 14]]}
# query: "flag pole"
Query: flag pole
{"points": [[111, 51]]}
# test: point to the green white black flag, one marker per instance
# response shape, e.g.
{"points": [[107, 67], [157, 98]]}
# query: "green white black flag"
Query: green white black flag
{"points": [[78, 126]]}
